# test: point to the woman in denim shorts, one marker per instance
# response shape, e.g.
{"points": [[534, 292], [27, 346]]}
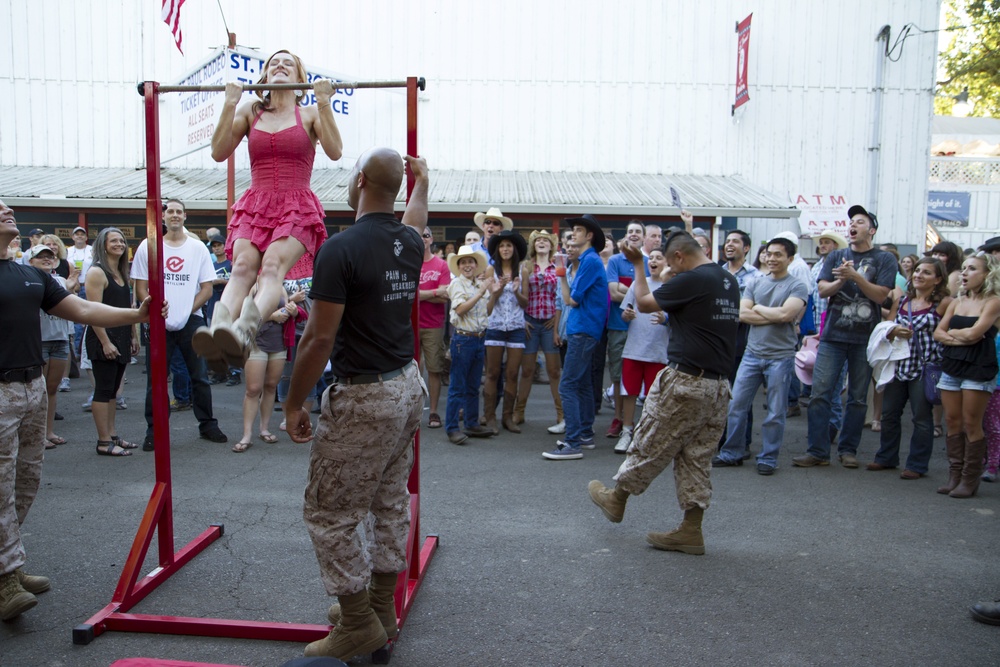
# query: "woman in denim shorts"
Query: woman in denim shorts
{"points": [[969, 370], [505, 326], [55, 343], [540, 284]]}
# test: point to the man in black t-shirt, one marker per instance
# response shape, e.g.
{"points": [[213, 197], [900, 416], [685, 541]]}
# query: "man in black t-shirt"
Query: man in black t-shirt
{"points": [[364, 285], [686, 407], [23, 401]]}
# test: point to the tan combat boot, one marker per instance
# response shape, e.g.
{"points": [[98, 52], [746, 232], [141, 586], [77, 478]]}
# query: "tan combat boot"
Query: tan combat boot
{"points": [[32, 584], [687, 538], [14, 600], [382, 596], [359, 632], [611, 501]]}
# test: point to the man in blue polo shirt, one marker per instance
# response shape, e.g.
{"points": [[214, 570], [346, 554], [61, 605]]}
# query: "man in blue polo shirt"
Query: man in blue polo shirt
{"points": [[588, 313]]}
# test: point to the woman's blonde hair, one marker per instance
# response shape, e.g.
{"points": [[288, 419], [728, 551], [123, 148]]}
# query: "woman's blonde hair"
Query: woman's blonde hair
{"points": [[46, 238], [991, 286]]}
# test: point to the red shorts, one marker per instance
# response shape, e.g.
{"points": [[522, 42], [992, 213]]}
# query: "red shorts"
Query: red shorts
{"points": [[635, 374]]}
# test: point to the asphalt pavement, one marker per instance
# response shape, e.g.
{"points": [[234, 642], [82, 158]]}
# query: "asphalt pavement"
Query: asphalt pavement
{"points": [[819, 566]]}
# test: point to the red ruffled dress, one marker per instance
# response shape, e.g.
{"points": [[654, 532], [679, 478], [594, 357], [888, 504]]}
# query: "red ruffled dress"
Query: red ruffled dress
{"points": [[279, 202]]}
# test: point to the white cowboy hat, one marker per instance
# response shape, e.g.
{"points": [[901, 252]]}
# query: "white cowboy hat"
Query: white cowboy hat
{"points": [[467, 251], [494, 214]]}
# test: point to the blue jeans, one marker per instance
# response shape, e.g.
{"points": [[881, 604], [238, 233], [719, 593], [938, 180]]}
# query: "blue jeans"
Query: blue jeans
{"points": [[751, 374], [201, 391], [182, 381], [828, 370], [897, 393], [464, 381], [576, 389]]}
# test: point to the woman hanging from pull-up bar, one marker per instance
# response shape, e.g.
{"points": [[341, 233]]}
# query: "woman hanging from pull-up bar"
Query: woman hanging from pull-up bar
{"points": [[278, 222]]}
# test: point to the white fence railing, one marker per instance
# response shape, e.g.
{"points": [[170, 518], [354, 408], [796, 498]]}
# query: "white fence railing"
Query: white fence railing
{"points": [[965, 170]]}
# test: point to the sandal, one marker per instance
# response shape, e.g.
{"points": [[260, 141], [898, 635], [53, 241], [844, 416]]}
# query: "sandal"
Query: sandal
{"points": [[269, 438], [124, 444], [111, 448], [242, 446], [434, 421], [938, 430], [876, 425], [55, 440]]}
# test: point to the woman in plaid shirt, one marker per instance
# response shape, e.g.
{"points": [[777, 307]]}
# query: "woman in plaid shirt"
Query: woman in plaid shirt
{"points": [[916, 313], [541, 320]]}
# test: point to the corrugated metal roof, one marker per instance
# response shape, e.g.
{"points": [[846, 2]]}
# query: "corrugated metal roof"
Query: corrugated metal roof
{"points": [[450, 191]]}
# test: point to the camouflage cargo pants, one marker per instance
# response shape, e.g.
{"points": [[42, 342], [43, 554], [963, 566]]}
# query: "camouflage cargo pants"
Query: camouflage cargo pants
{"points": [[22, 447], [357, 506], [681, 421]]}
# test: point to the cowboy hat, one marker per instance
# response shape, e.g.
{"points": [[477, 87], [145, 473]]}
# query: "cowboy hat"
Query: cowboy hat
{"points": [[493, 214], [991, 244], [805, 359], [835, 237], [508, 235], [542, 234], [467, 251], [589, 223]]}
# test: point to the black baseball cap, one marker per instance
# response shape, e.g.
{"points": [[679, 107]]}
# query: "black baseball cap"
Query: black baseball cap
{"points": [[37, 231], [858, 208]]}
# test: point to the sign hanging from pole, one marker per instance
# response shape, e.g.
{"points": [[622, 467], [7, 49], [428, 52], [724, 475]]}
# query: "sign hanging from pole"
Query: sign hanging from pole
{"points": [[742, 57]]}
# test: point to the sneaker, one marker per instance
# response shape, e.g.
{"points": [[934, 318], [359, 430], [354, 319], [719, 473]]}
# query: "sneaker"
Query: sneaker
{"points": [[615, 430], [57, 417], [719, 462], [563, 452], [764, 469], [177, 406], [849, 460], [120, 403], [478, 432], [990, 476], [747, 454], [793, 411], [64, 385], [147, 444], [87, 403], [608, 396], [214, 434], [457, 438], [808, 461], [557, 429], [14, 600], [234, 380], [588, 444], [621, 447]]}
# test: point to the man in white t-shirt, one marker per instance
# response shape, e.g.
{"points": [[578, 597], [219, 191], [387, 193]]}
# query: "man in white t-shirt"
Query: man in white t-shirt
{"points": [[81, 256], [188, 273]]}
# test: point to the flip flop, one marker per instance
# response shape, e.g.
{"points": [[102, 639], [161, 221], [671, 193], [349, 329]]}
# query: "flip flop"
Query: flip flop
{"points": [[241, 446], [269, 438], [56, 440]]}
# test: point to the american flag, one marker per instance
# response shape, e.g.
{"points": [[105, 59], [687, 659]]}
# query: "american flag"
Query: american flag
{"points": [[170, 12]]}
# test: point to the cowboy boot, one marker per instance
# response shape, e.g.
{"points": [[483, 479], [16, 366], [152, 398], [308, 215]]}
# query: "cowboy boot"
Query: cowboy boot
{"points": [[519, 406], [490, 409], [382, 595], [975, 453], [360, 630], [508, 413], [203, 342], [955, 447], [687, 538], [236, 340]]}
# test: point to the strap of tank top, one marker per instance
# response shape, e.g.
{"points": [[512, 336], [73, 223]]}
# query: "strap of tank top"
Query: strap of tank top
{"points": [[257, 117], [298, 118]]}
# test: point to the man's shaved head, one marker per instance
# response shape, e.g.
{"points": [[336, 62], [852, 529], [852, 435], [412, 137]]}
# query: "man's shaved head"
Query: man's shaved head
{"points": [[379, 172]]}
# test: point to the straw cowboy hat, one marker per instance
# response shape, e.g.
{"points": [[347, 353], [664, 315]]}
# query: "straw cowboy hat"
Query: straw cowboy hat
{"points": [[835, 237], [542, 234], [466, 251], [493, 214]]}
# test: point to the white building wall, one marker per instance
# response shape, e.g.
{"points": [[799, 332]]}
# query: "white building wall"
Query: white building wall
{"points": [[642, 86]]}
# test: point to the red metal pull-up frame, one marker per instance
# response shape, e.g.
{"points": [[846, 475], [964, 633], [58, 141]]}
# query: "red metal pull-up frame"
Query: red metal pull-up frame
{"points": [[159, 510]]}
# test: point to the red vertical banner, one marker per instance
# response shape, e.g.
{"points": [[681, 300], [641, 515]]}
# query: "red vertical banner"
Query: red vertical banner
{"points": [[742, 58]]}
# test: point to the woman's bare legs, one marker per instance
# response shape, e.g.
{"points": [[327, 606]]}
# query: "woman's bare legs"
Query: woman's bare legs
{"points": [[54, 370]]}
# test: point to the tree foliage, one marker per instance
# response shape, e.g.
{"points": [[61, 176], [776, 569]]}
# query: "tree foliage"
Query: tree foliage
{"points": [[972, 59]]}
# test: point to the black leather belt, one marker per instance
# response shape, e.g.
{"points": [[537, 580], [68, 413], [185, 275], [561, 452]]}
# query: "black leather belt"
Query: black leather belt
{"points": [[23, 375], [470, 334], [372, 379], [697, 372]]}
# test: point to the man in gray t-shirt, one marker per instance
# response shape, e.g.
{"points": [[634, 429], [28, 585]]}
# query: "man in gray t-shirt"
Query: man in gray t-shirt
{"points": [[772, 306]]}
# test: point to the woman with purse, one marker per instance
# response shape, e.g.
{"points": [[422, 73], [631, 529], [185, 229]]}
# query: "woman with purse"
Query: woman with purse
{"points": [[969, 370], [916, 313]]}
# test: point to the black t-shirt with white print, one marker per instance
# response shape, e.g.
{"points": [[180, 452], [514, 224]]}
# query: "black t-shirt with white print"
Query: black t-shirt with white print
{"points": [[373, 268], [25, 290]]}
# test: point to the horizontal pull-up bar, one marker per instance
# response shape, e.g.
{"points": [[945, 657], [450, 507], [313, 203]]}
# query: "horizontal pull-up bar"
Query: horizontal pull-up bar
{"points": [[342, 85]]}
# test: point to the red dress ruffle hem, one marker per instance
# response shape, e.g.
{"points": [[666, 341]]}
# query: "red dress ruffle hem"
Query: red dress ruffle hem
{"points": [[279, 202]]}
